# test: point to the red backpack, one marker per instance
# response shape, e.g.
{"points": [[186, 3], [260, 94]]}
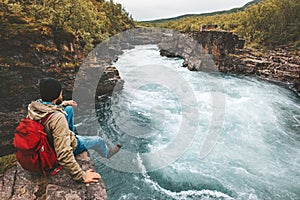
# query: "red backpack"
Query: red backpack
{"points": [[34, 152]]}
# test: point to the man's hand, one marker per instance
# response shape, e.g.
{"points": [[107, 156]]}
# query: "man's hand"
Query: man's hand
{"points": [[69, 103], [91, 176]]}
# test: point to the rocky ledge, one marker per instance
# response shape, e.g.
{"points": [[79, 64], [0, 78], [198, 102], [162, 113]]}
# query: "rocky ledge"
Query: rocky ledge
{"points": [[222, 51], [281, 65], [17, 183]]}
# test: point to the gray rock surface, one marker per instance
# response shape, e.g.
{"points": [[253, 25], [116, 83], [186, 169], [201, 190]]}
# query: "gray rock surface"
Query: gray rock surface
{"points": [[18, 183]]}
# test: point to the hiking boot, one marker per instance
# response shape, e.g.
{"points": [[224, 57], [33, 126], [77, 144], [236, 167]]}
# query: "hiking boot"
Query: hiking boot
{"points": [[113, 150]]}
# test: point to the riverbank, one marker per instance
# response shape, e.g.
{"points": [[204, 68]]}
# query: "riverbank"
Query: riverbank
{"points": [[279, 65]]}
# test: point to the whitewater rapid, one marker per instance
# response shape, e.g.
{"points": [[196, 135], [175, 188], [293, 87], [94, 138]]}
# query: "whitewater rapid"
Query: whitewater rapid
{"points": [[257, 150]]}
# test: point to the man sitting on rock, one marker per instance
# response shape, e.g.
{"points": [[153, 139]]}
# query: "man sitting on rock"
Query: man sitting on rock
{"points": [[61, 125]]}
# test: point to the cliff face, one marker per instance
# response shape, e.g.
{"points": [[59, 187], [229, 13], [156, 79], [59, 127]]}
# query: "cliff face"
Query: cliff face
{"points": [[26, 55]]}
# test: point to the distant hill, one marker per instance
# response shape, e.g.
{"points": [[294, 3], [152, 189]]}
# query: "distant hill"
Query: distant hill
{"points": [[259, 22], [204, 14]]}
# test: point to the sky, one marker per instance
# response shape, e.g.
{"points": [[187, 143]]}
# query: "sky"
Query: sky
{"points": [[142, 10]]}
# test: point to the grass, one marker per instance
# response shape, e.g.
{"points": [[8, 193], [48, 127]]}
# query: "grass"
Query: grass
{"points": [[7, 162]]}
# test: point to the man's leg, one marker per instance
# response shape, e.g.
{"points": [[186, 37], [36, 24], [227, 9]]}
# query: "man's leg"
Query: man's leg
{"points": [[80, 147], [70, 117], [98, 144]]}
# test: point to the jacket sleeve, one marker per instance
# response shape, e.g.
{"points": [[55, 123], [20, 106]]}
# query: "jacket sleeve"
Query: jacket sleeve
{"points": [[62, 139]]}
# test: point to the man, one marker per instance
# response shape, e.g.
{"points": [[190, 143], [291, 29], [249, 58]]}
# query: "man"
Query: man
{"points": [[61, 125]]}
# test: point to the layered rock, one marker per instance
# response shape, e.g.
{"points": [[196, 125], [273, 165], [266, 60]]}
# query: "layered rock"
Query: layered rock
{"points": [[218, 42], [185, 47], [109, 82], [279, 65], [20, 184], [217, 50]]}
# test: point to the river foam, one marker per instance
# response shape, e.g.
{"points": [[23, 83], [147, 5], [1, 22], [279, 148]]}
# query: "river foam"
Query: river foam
{"points": [[256, 156]]}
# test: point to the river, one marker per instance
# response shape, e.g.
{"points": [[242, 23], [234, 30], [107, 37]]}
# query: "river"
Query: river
{"points": [[197, 135]]}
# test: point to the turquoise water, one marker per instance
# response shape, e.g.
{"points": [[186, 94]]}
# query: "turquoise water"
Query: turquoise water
{"points": [[163, 117]]}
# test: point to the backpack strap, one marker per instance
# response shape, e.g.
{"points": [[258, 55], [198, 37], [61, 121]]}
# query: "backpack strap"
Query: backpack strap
{"points": [[46, 119], [49, 134]]}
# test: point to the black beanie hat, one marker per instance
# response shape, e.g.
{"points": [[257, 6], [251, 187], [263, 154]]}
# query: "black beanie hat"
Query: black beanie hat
{"points": [[50, 89]]}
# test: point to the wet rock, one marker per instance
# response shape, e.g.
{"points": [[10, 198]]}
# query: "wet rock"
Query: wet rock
{"points": [[109, 82], [18, 183], [170, 54]]}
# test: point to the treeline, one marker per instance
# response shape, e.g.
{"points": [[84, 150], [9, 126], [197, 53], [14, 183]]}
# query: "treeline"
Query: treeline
{"points": [[91, 20], [268, 23]]}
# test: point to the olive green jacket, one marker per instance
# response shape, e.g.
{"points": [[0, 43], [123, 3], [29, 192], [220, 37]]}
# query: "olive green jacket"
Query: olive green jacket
{"points": [[63, 138]]}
